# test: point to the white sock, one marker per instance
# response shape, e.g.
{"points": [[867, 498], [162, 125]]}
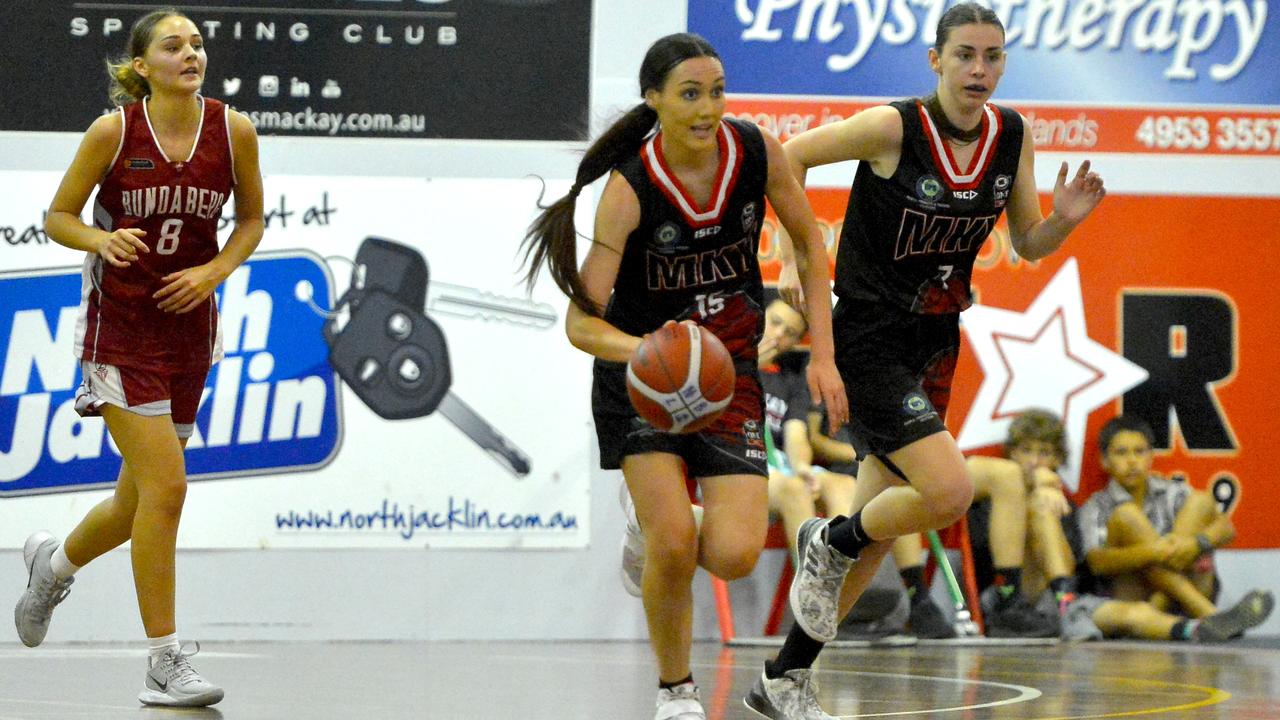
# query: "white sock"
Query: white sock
{"points": [[62, 567], [158, 646]]}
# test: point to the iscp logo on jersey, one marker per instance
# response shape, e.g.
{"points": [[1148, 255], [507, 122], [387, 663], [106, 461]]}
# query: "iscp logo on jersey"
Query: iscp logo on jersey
{"points": [[270, 406]]}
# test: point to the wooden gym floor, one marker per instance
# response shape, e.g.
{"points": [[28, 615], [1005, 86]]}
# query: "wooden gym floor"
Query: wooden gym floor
{"points": [[608, 680]]}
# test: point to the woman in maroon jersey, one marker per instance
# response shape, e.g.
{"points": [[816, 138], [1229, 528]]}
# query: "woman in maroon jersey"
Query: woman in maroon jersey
{"points": [[935, 175], [164, 165], [676, 238]]}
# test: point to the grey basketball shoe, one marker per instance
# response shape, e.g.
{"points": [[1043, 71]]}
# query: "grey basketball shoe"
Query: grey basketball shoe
{"points": [[171, 681], [794, 696], [1252, 610], [815, 591], [44, 590]]}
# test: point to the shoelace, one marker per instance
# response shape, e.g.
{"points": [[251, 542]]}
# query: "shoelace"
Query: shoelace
{"points": [[49, 593], [808, 690], [181, 665], [831, 568]]}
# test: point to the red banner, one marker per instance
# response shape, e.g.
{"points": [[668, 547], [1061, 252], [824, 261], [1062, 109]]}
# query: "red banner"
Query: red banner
{"points": [[1064, 128]]}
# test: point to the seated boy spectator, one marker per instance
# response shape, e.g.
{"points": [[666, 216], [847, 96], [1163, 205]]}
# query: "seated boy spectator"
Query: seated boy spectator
{"points": [[1150, 539], [1018, 515]]}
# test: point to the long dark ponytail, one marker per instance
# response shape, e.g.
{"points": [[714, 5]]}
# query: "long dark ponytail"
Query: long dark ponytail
{"points": [[552, 238]]}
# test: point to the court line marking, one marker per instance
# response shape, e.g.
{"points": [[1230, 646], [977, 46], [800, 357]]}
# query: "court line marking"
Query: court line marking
{"points": [[1025, 693], [1214, 696]]}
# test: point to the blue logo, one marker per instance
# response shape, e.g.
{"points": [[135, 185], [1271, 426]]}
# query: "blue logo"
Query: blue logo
{"points": [[271, 406], [1145, 51]]}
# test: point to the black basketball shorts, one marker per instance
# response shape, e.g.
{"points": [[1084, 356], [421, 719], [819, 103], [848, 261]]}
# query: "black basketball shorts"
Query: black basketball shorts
{"points": [[897, 368], [732, 445]]}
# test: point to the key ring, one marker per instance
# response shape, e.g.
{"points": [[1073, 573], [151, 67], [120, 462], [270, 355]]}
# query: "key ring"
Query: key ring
{"points": [[304, 291]]}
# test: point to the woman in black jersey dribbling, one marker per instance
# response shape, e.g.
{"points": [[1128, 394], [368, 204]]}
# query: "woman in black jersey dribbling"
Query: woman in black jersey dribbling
{"points": [[934, 177], [676, 236]]}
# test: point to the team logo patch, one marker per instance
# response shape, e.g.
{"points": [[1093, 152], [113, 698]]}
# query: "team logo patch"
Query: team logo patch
{"points": [[749, 219], [751, 429], [139, 164], [916, 404], [1002, 182], [666, 236], [928, 188], [101, 371]]}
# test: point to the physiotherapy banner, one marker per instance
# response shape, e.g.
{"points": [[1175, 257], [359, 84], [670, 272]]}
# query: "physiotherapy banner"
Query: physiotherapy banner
{"points": [[298, 442], [1148, 76], [1138, 313], [322, 68]]}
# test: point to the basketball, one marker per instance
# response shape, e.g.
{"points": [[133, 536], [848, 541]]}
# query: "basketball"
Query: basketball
{"points": [[680, 378]]}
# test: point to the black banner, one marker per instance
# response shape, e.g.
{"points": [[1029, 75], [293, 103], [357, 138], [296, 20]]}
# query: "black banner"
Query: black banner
{"points": [[454, 69]]}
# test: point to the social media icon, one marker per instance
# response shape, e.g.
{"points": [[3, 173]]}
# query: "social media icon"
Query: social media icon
{"points": [[331, 90], [298, 88], [268, 86], [230, 86]]}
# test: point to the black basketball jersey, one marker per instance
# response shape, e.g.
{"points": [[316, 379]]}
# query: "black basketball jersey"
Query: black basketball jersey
{"points": [[689, 262], [910, 240]]}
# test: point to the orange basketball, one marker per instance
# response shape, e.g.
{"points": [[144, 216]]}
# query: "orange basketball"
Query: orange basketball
{"points": [[680, 378]]}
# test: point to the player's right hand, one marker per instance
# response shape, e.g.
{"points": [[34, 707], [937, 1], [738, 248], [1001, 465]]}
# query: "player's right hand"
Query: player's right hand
{"points": [[120, 248]]}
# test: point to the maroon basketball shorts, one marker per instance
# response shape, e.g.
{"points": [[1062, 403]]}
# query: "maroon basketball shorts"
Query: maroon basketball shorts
{"points": [[143, 392]]}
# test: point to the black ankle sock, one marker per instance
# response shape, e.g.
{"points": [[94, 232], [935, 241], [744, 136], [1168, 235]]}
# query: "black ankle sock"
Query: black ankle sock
{"points": [[848, 537], [798, 652], [1063, 585], [669, 685], [913, 578], [1007, 582]]}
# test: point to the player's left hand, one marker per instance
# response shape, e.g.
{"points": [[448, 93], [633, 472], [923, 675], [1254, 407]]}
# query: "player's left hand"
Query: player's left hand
{"points": [[186, 290], [1073, 201], [827, 389]]}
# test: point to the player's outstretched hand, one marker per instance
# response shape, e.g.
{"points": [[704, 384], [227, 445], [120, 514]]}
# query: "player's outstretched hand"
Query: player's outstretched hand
{"points": [[1073, 201]]}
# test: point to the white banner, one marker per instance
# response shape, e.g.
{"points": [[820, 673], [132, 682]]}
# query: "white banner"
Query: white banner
{"points": [[492, 452]]}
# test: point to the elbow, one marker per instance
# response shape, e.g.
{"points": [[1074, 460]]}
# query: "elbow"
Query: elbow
{"points": [[52, 219], [1021, 242]]}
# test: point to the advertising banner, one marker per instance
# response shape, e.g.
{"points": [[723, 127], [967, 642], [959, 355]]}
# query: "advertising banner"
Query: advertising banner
{"points": [[1136, 313], [431, 403], [1149, 76], [322, 68]]}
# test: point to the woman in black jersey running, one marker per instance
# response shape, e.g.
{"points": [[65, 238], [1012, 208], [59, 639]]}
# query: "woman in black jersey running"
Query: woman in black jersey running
{"points": [[935, 175], [676, 235]]}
